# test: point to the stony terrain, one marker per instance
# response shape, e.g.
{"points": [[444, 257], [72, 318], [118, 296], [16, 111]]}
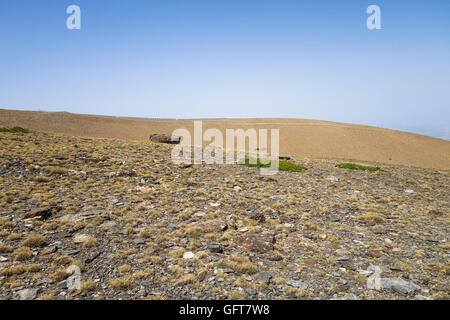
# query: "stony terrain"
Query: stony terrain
{"points": [[140, 227]]}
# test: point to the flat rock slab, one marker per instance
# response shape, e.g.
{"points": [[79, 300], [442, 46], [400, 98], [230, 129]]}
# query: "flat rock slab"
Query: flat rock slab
{"points": [[88, 214], [297, 284], [26, 294], [80, 237]]}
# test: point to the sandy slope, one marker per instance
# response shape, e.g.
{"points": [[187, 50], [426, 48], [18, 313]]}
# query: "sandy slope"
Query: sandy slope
{"points": [[299, 138]]}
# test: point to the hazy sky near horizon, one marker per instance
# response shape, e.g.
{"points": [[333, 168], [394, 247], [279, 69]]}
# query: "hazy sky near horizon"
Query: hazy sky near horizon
{"points": [[233, 59]]}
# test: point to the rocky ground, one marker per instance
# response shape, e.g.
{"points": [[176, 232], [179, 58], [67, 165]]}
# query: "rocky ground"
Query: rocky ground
{"points": [[140, 227]]}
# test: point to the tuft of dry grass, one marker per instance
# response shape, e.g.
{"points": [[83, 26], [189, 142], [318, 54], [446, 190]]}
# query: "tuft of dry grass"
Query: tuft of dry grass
{"points": [[22, 254], [125, 268], [124, 282], [60, 275], [34, 240], [18, 269], [371, 217], [237, 295], [87, 286], [241, 264], [4, 248], [90, 242], [186, 279]]}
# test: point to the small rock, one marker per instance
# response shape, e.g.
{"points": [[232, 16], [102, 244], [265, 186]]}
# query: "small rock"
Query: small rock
{"points": [[215, 248], [189, 255], [262, 277], [343, 258], [350, 296], [332, 179], [296, 284], [26, 294], [410, 191], [403, 286], [251, 291], [80, 237], [199, 214], [165, 138], [50, 250], [42, 213], [421, 297], [33, 201]]}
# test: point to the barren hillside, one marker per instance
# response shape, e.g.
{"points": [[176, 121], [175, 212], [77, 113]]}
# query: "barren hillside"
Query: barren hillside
{"points": [[139, 227], [298, 138]]}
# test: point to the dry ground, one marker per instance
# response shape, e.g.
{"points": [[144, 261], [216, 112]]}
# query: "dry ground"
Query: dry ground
{"points": [[140, 227], [298, 138]]}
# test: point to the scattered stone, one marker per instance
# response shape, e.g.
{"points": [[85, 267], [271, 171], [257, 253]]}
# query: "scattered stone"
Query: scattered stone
{"points": [[199, 214], [297, 284], [80, 237], [26, 294], [50, 250], [42, 213], [189, 255], [421, 297], [215, 248], [92, 256], [376, 282], [350, 296], [410, 191], [164, 138], [262, 277], [332, 179], [403, 286], [343, 258], [74, 281]]}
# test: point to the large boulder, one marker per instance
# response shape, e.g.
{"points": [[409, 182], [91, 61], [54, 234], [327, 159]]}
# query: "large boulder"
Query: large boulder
{"points": [[164, 138]]}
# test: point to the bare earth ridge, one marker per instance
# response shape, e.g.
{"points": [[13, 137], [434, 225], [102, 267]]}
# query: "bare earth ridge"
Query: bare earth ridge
{"points": [[299, 138]]}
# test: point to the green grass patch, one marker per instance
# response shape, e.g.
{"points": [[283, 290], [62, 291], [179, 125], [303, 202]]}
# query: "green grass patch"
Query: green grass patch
{"points": [[282, 165], [353, 166], [15, 130]]}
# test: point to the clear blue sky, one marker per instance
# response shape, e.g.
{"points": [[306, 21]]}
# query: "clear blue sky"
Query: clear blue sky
{"points": [[229, 58]]}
